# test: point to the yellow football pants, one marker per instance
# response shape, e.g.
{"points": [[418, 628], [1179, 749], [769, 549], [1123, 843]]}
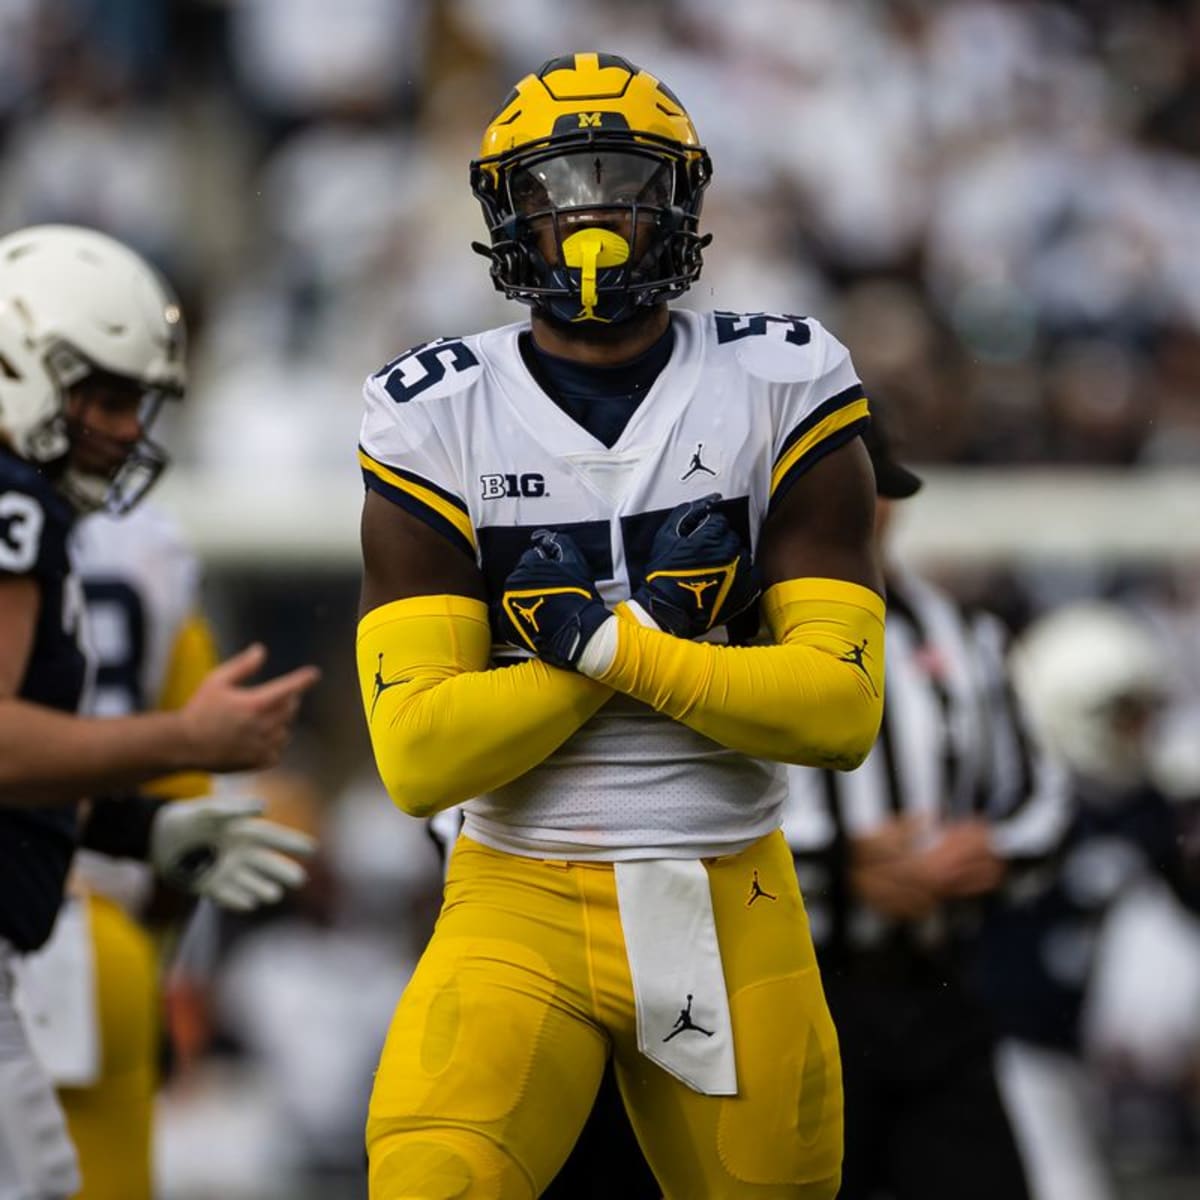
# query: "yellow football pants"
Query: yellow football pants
{"points": [[497, 1046], [110, 1121]]}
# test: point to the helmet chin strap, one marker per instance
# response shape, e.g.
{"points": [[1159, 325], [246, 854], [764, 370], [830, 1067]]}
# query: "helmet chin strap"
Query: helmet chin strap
{"points": [[86, 492], [586, 252]]}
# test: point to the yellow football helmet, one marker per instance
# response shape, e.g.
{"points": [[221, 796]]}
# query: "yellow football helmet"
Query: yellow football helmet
{"points": [[591, 177]]}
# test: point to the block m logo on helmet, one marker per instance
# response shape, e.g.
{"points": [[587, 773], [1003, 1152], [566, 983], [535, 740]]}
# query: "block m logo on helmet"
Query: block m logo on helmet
{"points": [[577, 122]]}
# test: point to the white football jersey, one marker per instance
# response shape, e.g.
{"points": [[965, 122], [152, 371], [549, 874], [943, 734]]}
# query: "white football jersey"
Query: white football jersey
{"points": [[142, 583], [458, 433]]}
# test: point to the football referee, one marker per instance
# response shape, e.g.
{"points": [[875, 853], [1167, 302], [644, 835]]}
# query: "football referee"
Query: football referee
{"points": [[896, 860]]}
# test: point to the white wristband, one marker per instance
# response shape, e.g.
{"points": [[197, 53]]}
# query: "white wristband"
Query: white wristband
{"points": [[643, 617], [600, 651]]}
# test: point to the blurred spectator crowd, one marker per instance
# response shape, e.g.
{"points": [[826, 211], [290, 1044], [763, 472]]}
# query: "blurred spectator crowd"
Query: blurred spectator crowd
{"points": [[991, 201]]}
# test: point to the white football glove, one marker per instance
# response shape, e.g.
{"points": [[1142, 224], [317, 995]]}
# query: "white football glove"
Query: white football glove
{"points": [[217, 847]]}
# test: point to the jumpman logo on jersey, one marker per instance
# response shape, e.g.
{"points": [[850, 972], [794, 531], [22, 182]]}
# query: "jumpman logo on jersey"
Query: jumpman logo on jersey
{"points": [[381, 686], [855, 657], [684, 1022], [696, 465], [758, 892], [529, 612], [698, 589]]}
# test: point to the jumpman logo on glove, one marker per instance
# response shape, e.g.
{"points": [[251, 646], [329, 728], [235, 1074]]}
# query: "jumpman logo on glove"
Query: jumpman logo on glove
{"points": [[549, 604], [529, 612], [697, 550], [698, 589]]}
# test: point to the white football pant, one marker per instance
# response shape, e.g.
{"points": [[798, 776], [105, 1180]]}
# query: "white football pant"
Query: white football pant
{"points": [[37, 1160]]}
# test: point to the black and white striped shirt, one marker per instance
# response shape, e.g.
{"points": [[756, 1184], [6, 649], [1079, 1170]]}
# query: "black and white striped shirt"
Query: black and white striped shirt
{"points": [[952, 745]]}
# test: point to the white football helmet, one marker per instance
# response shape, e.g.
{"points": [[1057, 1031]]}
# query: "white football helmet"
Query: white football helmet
{"points": [[1092, 677], [72, 302]]}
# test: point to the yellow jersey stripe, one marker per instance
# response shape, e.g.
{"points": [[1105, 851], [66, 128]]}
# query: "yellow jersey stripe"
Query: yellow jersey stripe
{"points": [[856, 410], [444, 509]]}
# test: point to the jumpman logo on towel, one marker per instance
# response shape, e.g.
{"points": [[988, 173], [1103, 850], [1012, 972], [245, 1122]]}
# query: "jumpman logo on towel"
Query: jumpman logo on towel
{"points": [[684, 1022]]}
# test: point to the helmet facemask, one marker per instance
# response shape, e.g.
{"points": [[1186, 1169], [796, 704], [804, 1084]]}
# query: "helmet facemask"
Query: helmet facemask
{"points": [[593, 226], [137, 473], [118, 479]]}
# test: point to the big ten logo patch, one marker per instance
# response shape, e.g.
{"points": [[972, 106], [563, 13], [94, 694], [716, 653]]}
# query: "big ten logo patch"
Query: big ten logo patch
{"points": [[531, 485]]}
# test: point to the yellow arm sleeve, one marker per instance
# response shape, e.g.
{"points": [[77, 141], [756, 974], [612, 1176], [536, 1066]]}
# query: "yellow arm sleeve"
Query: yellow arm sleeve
{"points": [[193, 655], [815, 698], [445, 727]]}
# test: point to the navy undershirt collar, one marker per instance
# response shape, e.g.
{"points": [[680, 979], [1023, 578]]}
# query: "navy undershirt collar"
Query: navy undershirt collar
{"points": [[600, 398]]}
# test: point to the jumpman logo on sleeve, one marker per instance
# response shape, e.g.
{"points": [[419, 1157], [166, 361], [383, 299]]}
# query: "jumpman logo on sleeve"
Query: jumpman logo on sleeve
{"points": [[381, 686], [856, 656], [684, 1022]]}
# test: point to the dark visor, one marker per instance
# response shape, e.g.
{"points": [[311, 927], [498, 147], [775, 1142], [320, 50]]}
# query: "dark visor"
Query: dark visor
{"points": [[588, 179]]}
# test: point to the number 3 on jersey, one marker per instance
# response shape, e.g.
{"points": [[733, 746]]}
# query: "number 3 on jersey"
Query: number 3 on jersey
{"points": [[21, 521]]}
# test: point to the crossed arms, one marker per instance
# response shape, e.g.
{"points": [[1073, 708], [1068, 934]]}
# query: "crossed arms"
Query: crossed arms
{"points": [[444, 727]]}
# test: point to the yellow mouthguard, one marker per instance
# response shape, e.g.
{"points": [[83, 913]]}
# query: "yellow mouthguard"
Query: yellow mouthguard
{"points": [[586, 251]]}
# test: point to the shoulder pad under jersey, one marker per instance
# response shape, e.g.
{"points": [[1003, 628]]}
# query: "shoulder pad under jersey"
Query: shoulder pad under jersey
{"points": [[431, 371], [778, 348]]}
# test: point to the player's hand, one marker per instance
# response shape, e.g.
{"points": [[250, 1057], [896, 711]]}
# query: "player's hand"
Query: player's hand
{"points": [[887, 873], [550, 604], [218, 847], [230, 725], [960, 861], [699, 573]]}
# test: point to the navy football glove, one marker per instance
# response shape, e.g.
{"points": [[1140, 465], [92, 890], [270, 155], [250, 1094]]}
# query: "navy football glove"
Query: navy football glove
{"points": [[699, 574], [550, 604]]}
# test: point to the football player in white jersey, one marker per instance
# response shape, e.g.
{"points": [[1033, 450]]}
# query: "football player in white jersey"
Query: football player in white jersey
{"points": [[564, 532], [91, 343]]}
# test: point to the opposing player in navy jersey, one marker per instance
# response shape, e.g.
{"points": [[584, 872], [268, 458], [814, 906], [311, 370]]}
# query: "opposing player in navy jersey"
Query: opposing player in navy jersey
{"points": [[567, 525], [1097, 683], [91, 345]]}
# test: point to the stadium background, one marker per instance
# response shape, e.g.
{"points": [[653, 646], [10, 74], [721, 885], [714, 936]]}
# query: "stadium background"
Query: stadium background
{"points": [[993, 204]]}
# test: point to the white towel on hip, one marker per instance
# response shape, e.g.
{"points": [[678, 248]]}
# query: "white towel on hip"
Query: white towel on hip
{"points": [[56, 998], [36, 1155], [678, 981]]}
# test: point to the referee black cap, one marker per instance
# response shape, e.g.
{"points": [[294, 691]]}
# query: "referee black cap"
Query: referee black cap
{"points": [[892, 480]]}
